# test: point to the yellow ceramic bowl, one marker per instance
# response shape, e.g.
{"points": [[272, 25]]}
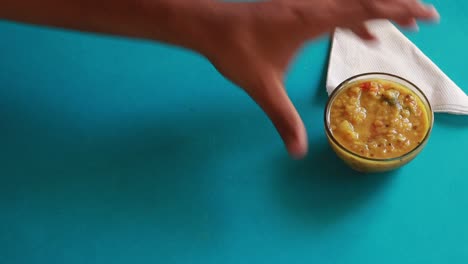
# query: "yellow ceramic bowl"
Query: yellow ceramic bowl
{"points": [[366, 164]]}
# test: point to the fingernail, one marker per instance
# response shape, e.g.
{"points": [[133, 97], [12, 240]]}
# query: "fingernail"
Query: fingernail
{"points": [[414, 27], [432, 10], [430, 7], [297, 149]]}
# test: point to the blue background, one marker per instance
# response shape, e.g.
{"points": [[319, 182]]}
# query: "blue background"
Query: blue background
{"points": [[121, 151]]}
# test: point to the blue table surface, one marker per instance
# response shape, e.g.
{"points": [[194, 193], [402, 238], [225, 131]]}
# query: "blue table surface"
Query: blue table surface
{"points": [[124, 151]]}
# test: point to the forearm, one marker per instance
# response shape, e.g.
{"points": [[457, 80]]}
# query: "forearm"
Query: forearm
{"points": [[177, 22]]}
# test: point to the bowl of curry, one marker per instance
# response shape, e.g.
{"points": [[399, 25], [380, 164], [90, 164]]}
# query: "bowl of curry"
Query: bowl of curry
{"points": [[378, 122]]}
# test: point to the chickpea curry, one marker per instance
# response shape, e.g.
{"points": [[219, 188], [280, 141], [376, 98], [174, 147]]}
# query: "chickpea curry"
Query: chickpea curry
{"points": [[378, 119]]}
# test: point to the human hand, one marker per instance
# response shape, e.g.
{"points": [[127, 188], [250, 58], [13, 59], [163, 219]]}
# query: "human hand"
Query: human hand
{"points": [[250, 43], [254, 43]]}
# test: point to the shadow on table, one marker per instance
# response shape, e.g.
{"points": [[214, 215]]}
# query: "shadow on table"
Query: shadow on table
{"points": [[321, 95], [451, 120], [150, 174], [321, 189]]}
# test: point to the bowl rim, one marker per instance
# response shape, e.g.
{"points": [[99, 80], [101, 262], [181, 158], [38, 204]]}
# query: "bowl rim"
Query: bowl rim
{"points": [[342, 85]]}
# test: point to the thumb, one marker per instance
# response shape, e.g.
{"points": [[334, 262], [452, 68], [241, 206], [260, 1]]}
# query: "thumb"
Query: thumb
{"points": [[273, 99]]}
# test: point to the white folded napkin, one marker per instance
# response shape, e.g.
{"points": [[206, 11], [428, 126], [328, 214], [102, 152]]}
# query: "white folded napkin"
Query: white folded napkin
{"points": [[395, 54]]}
